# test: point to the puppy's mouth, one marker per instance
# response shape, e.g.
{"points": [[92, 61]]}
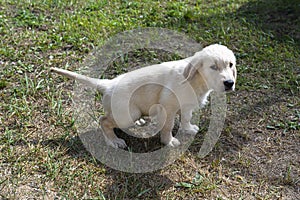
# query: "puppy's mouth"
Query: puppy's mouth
{"points": [[229, 89]]}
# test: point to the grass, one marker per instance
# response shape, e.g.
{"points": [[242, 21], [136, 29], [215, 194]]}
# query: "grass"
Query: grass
{"points": [[42, 157]]}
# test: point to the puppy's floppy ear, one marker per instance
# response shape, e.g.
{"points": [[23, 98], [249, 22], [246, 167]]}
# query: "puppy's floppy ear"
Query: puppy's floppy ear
{"points": [[234, 73], [191, 69]]}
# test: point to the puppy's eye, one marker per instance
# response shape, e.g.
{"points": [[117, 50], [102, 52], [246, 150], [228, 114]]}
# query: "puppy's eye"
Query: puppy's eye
{"points": [[214, 67], [230, 64]]}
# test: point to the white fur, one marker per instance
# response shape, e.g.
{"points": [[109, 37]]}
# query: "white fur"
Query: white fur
{"points": [[162, 91]]}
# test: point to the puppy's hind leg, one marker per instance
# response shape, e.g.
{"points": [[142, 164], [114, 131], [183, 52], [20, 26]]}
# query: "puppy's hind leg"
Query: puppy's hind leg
{"points": [[108, 125]]}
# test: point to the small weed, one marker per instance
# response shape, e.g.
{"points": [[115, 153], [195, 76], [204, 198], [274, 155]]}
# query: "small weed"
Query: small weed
{"points": [[199, 184], [3, 84]]}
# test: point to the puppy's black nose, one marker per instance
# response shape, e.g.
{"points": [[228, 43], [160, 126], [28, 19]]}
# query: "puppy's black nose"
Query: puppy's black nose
{"points": [[228, 84]]}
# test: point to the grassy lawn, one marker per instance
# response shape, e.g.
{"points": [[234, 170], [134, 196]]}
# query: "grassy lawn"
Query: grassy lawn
{"points": [[41, 155]]}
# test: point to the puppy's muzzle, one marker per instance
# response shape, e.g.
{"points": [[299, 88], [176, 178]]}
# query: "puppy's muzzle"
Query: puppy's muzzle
{"points": [[228, 85]]}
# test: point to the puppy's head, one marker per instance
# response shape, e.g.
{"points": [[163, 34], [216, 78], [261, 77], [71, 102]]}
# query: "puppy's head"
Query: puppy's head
{"points": [[216, 65]]}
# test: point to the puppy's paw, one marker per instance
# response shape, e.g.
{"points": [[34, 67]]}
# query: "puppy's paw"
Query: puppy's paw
{"points": [[174, 142], [191, 129], [117, 143]]}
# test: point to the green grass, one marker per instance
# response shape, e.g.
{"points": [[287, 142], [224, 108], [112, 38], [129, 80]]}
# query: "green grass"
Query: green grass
{"points": [[41, 155]]}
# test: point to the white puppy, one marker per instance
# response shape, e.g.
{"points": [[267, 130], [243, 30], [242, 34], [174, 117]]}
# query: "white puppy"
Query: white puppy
{"points": [[162, 91]]}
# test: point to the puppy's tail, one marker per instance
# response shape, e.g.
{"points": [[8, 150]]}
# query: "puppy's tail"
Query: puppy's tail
{"points": [[99, 84]]}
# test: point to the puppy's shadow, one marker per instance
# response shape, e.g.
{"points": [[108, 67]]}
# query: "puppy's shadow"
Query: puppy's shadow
{"points": [[129, 161], [139, 144]]}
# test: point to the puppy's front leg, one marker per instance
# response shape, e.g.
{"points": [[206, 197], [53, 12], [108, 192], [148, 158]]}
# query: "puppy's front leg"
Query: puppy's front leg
{"points": [[108, 125], [166, 132], [186, 125]]}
